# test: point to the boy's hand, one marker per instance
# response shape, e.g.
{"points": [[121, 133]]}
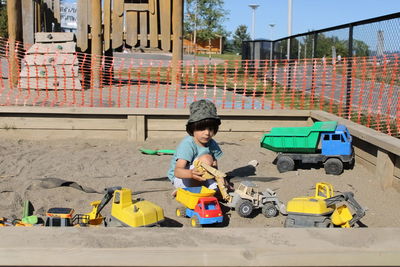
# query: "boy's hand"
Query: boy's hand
{"points": [[196, 175]]}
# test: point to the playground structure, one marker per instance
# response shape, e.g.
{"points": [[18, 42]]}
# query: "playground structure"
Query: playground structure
{"points": [[101, 28]]}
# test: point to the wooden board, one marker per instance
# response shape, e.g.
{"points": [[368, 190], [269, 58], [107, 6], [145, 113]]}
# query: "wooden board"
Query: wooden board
{"points": [[227, 125], [50, 83], [50, 37], [41, 134], [165, 23], [117, 23], [28, 22], [57, 14], [56, 59], [136, 7], [131, 28], [82, 25], [107, 24], [153, 13], [143, 28], [51, 48], [51, 71], [63, 123]]}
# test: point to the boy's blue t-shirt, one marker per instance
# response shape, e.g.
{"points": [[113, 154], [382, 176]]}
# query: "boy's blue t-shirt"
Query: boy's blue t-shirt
{"points": [[189, 151]]}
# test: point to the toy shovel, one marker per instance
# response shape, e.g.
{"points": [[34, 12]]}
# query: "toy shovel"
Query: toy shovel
{"points": [[157, 151]]}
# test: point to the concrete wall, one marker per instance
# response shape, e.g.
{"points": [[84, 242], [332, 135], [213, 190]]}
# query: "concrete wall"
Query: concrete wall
{"points": [[378, 152]]}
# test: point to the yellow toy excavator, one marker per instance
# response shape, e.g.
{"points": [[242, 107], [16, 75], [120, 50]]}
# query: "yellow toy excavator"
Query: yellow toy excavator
{"points": [[324, 209], [124, 210]]}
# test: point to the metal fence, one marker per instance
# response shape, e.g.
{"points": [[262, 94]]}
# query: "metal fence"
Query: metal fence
{"points": [[372, 37]]}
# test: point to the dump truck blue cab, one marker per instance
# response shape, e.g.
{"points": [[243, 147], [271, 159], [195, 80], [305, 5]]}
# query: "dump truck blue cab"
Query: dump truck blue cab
{"points": [[324, 142], [338, 142]]}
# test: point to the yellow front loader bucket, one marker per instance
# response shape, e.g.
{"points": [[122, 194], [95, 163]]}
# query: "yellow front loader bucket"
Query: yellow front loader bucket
{"points": [[342, 216]]}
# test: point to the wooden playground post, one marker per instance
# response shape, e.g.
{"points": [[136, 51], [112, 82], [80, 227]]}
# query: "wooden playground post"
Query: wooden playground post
{"points": [[96, 42], [14, 35], [177, 27]]}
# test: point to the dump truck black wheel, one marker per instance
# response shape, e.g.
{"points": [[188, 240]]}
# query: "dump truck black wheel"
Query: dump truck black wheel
{"points": [[269, 210], [285, 164], [333, 166], [244, 208]]}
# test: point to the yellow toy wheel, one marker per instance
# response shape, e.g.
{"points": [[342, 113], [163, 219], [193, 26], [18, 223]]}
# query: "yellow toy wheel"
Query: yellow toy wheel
{"points": [[194, 221], [180, 212]]}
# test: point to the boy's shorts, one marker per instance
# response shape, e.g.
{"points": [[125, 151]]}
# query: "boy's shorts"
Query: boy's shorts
{"points": [[183, 183]]}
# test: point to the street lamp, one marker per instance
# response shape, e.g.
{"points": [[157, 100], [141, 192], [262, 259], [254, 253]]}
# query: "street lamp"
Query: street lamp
{"points": [[289, 27], [271, 26], [254, 7]]}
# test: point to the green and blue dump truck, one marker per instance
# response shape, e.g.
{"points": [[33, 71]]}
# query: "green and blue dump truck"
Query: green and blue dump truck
{"points": [[327, 142]]}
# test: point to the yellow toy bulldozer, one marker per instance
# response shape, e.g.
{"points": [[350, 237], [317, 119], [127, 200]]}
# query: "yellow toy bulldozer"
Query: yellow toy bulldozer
{"points": [[324, 209], [124, 210]]}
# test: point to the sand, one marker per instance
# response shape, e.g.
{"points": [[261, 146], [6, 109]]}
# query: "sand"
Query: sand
{"points": [[72, 173]]}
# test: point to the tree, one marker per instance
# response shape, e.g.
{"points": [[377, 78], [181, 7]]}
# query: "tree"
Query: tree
{"points": [[239, 36], [3, 21], [204, 19]]}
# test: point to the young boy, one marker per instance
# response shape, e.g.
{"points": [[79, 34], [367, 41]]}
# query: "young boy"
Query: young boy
{"points": [[202, 126]]}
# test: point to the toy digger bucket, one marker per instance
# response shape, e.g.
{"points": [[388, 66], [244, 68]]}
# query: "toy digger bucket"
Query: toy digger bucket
{"points": [[189, 196], [342, 216]]}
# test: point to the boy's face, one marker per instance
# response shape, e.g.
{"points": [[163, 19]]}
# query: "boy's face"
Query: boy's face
{"points": [[203, 136]]}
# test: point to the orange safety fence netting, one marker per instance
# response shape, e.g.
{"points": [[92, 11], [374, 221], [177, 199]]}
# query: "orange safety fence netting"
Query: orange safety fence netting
{"points": [[362, 89]]}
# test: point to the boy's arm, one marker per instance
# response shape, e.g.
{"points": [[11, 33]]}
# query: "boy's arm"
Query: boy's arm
{"points": [[183, 173]]}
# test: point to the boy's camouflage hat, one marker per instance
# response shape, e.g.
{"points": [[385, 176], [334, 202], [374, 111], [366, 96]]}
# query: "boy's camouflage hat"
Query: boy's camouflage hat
{"points": [[203, 109]]}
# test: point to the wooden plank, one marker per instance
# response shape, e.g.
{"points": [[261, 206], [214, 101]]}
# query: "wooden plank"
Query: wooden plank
{"points": [[51, 71], [140, 128], [153, 13], [53, 59], [397, 167], [143, 29], [63, 134], [131, 28], [61, 123], [252, 125], [59, 83], [385, 168], [57, 15], [136, 7], [107, 24], [117, 23], [47, 48], [28, 22], [165, 21], [82, 25], [131, 128], [51, 37]]}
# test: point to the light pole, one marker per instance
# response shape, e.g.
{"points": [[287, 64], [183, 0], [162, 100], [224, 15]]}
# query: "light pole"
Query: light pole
{"points": [[289, 27], [271, 26], [254, 7]]}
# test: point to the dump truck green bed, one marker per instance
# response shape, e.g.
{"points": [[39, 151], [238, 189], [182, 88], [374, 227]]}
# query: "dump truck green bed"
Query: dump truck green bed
{"points": [[296, 139]]}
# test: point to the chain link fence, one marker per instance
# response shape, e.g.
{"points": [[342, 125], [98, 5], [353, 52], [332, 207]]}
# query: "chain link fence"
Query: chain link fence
{"points": [[373, 37]]}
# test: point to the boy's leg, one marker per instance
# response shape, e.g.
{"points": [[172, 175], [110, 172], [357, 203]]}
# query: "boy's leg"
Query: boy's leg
{"points": [[207, 159], [183, 183]]}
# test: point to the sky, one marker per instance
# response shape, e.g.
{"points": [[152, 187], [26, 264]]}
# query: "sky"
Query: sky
{"points": [[307, 15]]}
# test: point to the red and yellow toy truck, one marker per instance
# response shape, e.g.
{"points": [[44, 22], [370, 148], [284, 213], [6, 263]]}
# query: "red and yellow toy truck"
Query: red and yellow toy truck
{"points": [[199, 205]]}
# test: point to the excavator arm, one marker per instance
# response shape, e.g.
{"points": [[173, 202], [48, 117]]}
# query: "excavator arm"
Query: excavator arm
{"points": [[348, 197], [109, 192], [212, 173]]}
